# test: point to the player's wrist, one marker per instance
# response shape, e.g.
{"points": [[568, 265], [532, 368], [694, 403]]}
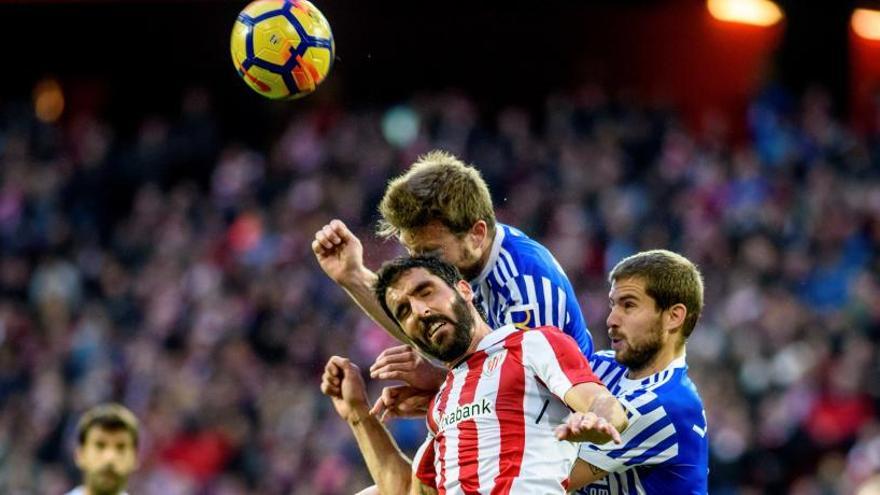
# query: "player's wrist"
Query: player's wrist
{"points": [[357, 414], [355, 277]]}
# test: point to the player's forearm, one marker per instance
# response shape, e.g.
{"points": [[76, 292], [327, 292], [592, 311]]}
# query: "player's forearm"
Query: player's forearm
{"points": [[360, 288], [608, 407], [583, 473], [389, 468], [595, 398]]}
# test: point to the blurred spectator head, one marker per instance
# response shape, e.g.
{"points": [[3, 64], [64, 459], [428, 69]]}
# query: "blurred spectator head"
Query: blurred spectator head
{"points": [[106, 453]]}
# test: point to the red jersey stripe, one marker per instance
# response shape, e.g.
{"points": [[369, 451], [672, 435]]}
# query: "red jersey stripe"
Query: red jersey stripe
{"points": [[511, 395], [468, 444], [569, 356], [441, 438]]}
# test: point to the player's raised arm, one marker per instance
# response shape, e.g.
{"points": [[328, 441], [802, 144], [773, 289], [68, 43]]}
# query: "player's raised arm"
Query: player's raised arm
{"points": [[341, 256], [390, 469]]}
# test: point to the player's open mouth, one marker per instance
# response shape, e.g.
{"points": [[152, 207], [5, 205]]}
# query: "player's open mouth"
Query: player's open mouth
{"points": [[433, 329], [617, 344]]}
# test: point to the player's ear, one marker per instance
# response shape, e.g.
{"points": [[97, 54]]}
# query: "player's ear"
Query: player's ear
{"points": [[464, 289], [673, 318], [478, 232]]}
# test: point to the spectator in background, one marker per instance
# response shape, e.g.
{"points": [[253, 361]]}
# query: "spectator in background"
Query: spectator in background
{"points": [[106, 453]]}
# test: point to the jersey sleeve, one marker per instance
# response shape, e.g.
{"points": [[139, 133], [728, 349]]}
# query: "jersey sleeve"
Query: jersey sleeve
{"points": [[649, 439], [423, 463], [556, 360], [534, 300]]}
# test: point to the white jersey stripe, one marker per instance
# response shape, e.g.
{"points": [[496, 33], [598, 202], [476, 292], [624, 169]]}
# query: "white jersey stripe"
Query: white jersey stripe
{"points": [[600, 370], [642, 399], [530, 293], [505, 254], [547, 318], [653, 440], [516, 299], [667, 454], [560, 308]]}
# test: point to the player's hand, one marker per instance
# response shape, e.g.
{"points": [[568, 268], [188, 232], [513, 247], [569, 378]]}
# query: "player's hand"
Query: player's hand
{"points": [[404, 363], [339, 252], [587, 427], [342, 382], [402, 401]]}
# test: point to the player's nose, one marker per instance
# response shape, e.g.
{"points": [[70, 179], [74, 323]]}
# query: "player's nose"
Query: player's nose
{"points": [[420, 308], [613, 320]]}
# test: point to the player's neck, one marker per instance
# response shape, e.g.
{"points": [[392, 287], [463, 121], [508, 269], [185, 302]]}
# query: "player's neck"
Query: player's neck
{"points": [[486, 248], [660, 362]]}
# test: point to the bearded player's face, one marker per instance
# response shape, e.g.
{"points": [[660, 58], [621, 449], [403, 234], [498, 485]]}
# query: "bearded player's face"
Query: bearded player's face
{"points": [[106, 458], [634, 324], [435, 316]]}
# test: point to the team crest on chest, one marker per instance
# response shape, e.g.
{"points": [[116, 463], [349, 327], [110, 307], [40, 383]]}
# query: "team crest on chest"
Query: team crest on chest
{"points": [[493, 363]]}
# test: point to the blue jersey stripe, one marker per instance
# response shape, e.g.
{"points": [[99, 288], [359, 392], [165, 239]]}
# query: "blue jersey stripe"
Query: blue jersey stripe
{"points": [[525, 285]]}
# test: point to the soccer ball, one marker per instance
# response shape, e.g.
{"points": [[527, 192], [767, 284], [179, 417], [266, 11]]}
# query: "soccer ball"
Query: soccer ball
{"points": [[282, 48]]}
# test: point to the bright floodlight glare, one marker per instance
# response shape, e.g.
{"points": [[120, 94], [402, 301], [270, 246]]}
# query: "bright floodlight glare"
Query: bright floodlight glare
{"points": [[48, 101], [866, 23], [753, 12]]}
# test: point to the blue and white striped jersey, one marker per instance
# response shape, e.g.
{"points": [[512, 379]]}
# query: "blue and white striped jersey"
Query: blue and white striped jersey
{"points": [[523, 284], [665, 449]]}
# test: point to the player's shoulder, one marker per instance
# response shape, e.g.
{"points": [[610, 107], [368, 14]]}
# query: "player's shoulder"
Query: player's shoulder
{"points": [[521, 247], [606, 356], [606, 367], [678, 395], [548, 333], [530, 256]]}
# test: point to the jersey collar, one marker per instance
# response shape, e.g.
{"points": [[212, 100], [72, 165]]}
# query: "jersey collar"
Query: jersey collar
{"points": [[494, 337], [493, 255], [628, 384]]}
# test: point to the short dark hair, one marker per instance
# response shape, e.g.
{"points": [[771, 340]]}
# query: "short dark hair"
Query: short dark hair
{"points": [[111, 416], [669, 278], [392, 270]]}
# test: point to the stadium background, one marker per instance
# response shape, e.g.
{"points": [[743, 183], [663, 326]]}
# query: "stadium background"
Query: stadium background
{"points": [[154, 234]]}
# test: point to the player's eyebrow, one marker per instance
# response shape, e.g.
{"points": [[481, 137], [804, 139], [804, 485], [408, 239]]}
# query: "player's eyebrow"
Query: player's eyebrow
{"points": [[624, 298]]}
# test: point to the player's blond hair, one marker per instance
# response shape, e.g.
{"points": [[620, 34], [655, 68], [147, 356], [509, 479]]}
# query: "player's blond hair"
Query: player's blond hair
{"points": [[438, 186], [669, 279]]}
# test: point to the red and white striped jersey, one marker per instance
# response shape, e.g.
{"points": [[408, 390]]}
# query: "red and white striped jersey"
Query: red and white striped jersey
{"points": [[491, 424]]}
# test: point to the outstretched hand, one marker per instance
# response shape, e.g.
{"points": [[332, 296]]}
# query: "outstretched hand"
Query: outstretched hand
{"points": [[587, 427]]}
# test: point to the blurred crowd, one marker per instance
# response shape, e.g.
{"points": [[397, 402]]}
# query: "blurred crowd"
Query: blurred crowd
{"points": [[170, 269]]}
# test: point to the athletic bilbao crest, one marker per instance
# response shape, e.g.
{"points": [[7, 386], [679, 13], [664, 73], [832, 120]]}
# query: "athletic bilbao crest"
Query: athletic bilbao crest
{"points": [[493, 363]]}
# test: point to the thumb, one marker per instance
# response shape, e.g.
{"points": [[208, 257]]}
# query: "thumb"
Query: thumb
{"points": [[349, 368]]}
